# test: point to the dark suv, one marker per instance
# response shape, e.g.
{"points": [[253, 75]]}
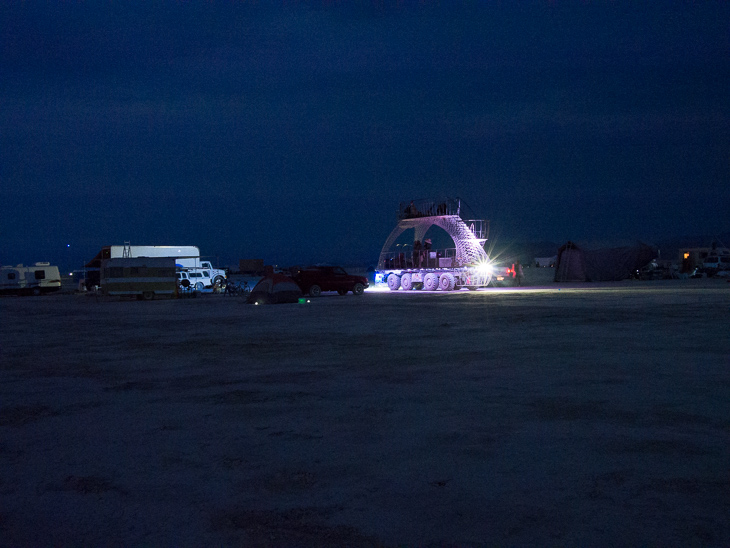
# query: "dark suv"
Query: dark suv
{"points": [[315, 279]]}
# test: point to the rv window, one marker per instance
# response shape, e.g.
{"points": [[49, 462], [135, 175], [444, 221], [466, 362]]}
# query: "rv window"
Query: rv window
{"points": [[114, 272], [11, 275], [40, 274]]}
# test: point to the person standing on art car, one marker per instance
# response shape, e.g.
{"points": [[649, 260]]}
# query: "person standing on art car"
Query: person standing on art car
{"points": [[518, 273], [417, 253], [427, 249]]}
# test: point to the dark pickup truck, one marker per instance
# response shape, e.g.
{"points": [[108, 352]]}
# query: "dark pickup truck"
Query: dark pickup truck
{"points": [[315, 279]]}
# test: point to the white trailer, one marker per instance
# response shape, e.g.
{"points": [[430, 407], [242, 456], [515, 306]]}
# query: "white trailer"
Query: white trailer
{"points": [[29, 280]]}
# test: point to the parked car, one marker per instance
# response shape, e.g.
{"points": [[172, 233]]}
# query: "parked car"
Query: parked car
{"points": [[315, 279], [197, 278]]}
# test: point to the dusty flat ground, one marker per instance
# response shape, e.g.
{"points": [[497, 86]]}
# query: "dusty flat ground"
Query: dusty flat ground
{"points": [[597, 414]]}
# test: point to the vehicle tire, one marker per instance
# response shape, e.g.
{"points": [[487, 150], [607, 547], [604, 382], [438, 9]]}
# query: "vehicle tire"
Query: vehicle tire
{"points": [[342, 291], [358, 289], [199, 286], [148, 295], [315, 291], [447, 281], [219, 280], [406, 282], [393, 282], [36, 292], [430, 282]]}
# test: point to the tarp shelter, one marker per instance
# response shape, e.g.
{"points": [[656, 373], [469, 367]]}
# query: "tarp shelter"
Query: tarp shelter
{"points": [[576, 264], [275, 289]]}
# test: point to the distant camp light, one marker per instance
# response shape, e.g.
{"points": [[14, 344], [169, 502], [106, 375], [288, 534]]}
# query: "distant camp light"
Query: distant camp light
{"points": [[302, 300]]}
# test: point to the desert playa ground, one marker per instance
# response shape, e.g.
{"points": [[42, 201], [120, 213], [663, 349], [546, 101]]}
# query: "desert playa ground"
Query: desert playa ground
{"points": [[583, 415]]}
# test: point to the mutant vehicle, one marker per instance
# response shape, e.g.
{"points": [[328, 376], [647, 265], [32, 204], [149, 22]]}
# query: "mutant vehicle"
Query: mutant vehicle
{"points": [[416, 265]]}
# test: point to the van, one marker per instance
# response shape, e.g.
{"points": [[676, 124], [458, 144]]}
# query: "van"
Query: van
{"points": [[716, 262]]}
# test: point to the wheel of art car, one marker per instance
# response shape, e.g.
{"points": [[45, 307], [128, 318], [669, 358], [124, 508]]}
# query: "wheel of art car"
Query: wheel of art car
{"points": [[447, 281], [430, 282], [406, 282], [315, 291], [359, 289], [199, 286], [219, 280], [393, 282], [148, 295]]}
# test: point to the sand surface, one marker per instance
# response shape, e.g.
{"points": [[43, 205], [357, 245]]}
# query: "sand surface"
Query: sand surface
{"points": [[595, 415]]}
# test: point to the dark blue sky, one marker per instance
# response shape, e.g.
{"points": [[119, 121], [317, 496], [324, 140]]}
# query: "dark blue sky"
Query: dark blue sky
{"points": [[291, 132]]}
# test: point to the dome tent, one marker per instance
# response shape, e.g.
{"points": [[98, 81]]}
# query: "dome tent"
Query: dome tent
{"points": [[275, 289]]}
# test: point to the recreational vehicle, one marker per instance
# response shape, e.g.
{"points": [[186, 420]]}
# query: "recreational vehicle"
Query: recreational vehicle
{"points": [[186, 257], [29, 280], [143, 277]]}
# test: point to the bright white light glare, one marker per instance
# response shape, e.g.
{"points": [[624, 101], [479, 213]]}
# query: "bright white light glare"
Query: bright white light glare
{"points": [[485, 268]]}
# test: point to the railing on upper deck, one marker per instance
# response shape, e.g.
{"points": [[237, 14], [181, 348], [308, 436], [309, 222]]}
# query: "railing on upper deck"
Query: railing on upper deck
{"points": [[416, 209], [429, 208]]}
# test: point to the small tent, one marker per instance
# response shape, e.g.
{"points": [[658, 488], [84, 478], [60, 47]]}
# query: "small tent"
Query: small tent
{"points": [[576, 264], [275, 289]]}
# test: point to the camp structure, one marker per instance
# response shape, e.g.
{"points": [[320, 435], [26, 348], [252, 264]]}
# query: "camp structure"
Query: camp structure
{"points": [[577, 264], [143, 277], [29, 280], [275, 289]]}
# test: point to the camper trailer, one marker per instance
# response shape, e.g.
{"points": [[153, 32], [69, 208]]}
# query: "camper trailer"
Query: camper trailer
{"points": [[143, 277], [29, 280], [186, 257]]}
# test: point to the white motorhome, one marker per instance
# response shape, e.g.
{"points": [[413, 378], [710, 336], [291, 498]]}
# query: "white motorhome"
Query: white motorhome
{"points": [[29, 280]]}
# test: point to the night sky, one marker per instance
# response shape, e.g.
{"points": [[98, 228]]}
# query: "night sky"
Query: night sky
{"points": [[291, 131]]}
